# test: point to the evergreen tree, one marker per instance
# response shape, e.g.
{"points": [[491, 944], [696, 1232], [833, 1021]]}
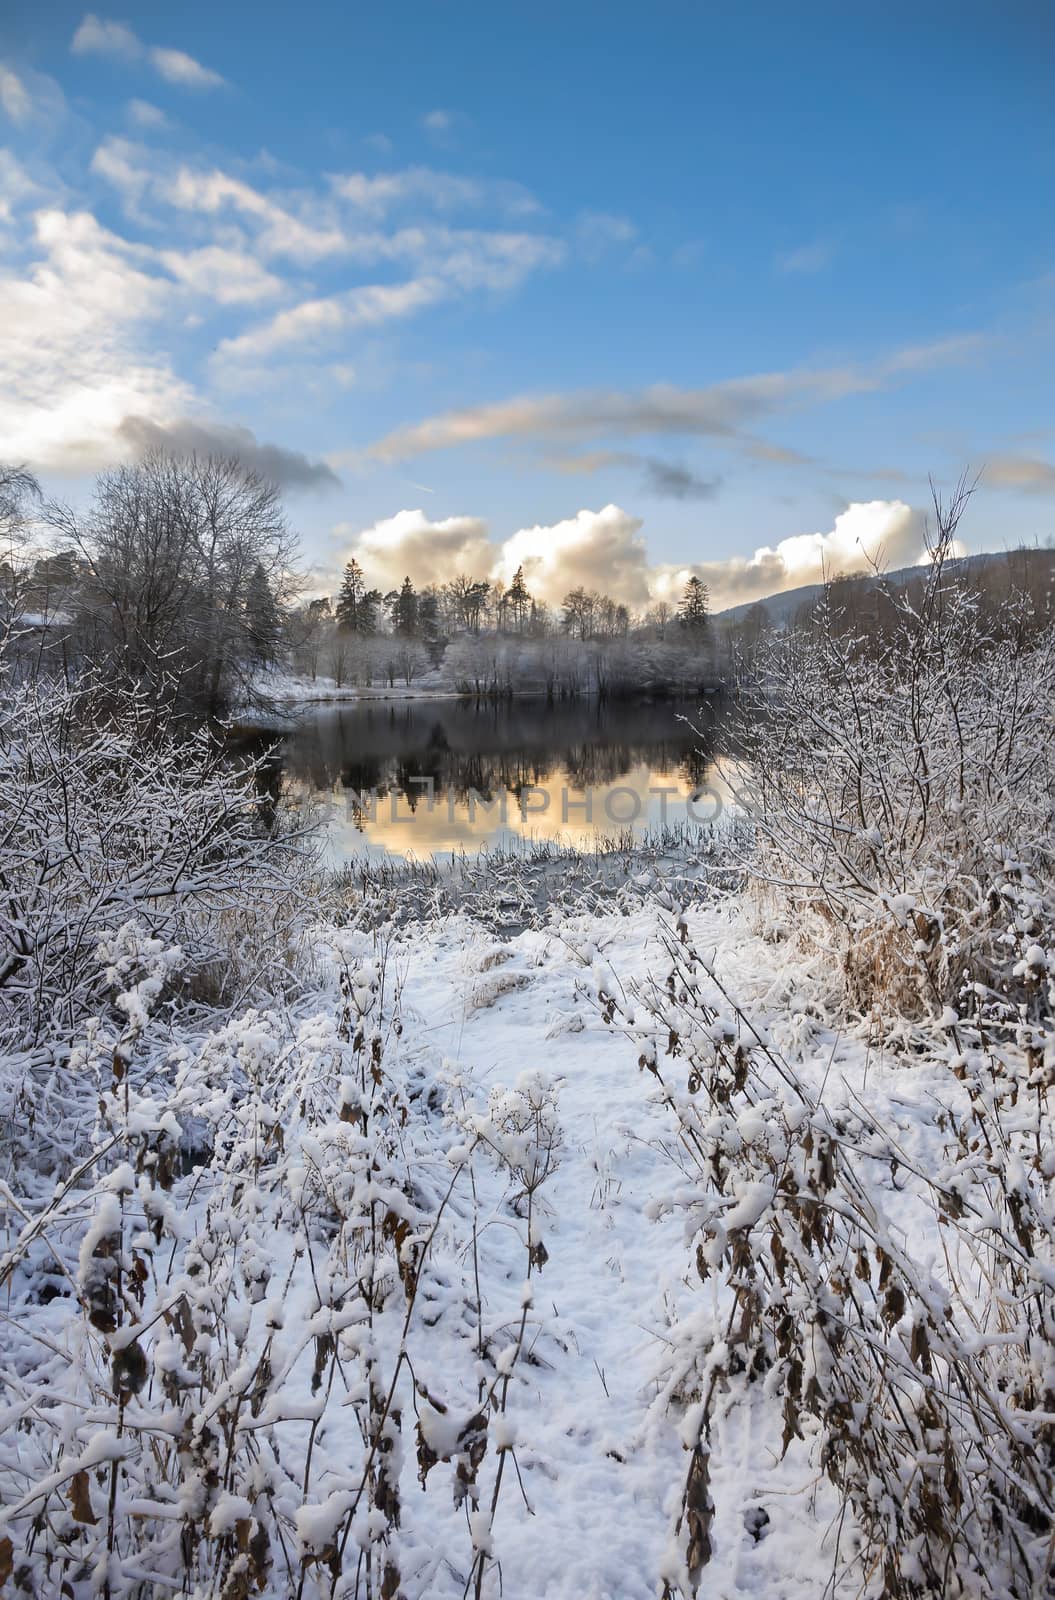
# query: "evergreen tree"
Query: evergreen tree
{"points": [[405, 611], [429, 616], [518, 601], [262, 619], [349, 601], [692, 614], [356, 604]]}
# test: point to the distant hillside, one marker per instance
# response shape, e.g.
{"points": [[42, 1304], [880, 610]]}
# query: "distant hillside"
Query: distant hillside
{"points": [[783, 607]]}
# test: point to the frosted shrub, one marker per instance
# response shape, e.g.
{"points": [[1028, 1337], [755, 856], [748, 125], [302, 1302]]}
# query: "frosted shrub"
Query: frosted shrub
{"points": [[110, 814], [926, 1392], [902, 789]]}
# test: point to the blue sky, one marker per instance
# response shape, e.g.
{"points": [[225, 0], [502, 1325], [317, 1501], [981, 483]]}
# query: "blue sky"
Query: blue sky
{"points": [[617, 291]]}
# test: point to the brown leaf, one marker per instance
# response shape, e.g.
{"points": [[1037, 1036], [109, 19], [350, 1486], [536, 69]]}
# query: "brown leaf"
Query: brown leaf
{"points": [[81, 1499], [7, 1560]]}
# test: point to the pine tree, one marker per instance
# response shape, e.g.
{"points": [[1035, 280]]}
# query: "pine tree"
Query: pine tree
{"points": [[263, 622], [518, 601], [429, 616], [349, 601], [692, 613], [405, 611], [356, 604]]}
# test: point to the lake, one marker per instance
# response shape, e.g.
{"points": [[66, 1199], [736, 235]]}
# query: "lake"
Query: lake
{"points": [[423, 778]]}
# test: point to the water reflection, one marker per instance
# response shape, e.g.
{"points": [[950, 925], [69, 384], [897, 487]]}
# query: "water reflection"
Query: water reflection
{"points": [[422, 777]]}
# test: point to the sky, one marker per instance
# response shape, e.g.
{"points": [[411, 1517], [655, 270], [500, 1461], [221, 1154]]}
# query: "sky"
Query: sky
{"points": [[616, 292]]}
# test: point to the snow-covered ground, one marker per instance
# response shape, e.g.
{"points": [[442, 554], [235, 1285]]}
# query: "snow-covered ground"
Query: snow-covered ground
{"points": [[618, 1320]]}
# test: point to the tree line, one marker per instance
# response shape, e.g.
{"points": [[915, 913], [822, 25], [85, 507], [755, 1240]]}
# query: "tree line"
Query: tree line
{"points": [[182, 578]]}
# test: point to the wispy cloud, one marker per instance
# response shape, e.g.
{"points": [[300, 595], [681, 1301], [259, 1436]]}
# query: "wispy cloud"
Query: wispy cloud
{"points": [[98, 36], [14, 96], [310, 322], [807, 259], [667, 480], [382, 192], [719, 410], [1026, 473], [598, 232], [145, 115]]}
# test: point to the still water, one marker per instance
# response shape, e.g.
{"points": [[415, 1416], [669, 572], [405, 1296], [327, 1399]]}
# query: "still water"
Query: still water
{"points": [[422, 778]]}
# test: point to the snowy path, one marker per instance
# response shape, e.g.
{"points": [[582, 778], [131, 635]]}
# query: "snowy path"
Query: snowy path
{"points": [[601, 1474]]}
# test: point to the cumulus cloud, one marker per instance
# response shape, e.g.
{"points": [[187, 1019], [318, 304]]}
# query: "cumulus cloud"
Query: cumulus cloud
{"points": [[887, 532], [98, 36], [594, 549], [290, 469], [1027, 473], [605, 550], [429, 551]]}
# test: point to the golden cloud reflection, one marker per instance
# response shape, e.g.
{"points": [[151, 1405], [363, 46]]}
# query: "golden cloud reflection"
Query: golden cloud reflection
{"points": [[430, 822]]}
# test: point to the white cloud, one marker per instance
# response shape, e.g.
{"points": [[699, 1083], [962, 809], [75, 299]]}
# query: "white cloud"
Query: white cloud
{"points": [[304, 325], [97, 36], [145, 115], [15, 184], [429, 551], [604, 550], [440, 191], [72, 362], [175, 66], [593, 549], [884, 532], [14, 97], [230, 277]]}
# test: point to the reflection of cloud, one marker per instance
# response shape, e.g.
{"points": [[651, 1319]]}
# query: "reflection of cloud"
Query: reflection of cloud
{"points": [[552, 808]]}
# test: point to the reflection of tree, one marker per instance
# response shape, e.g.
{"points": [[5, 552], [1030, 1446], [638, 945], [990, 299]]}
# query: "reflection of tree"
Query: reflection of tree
{"points": [[490, 748]]}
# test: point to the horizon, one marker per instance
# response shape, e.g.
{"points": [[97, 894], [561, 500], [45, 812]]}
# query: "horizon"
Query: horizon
{"points": [[719, 300]]}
